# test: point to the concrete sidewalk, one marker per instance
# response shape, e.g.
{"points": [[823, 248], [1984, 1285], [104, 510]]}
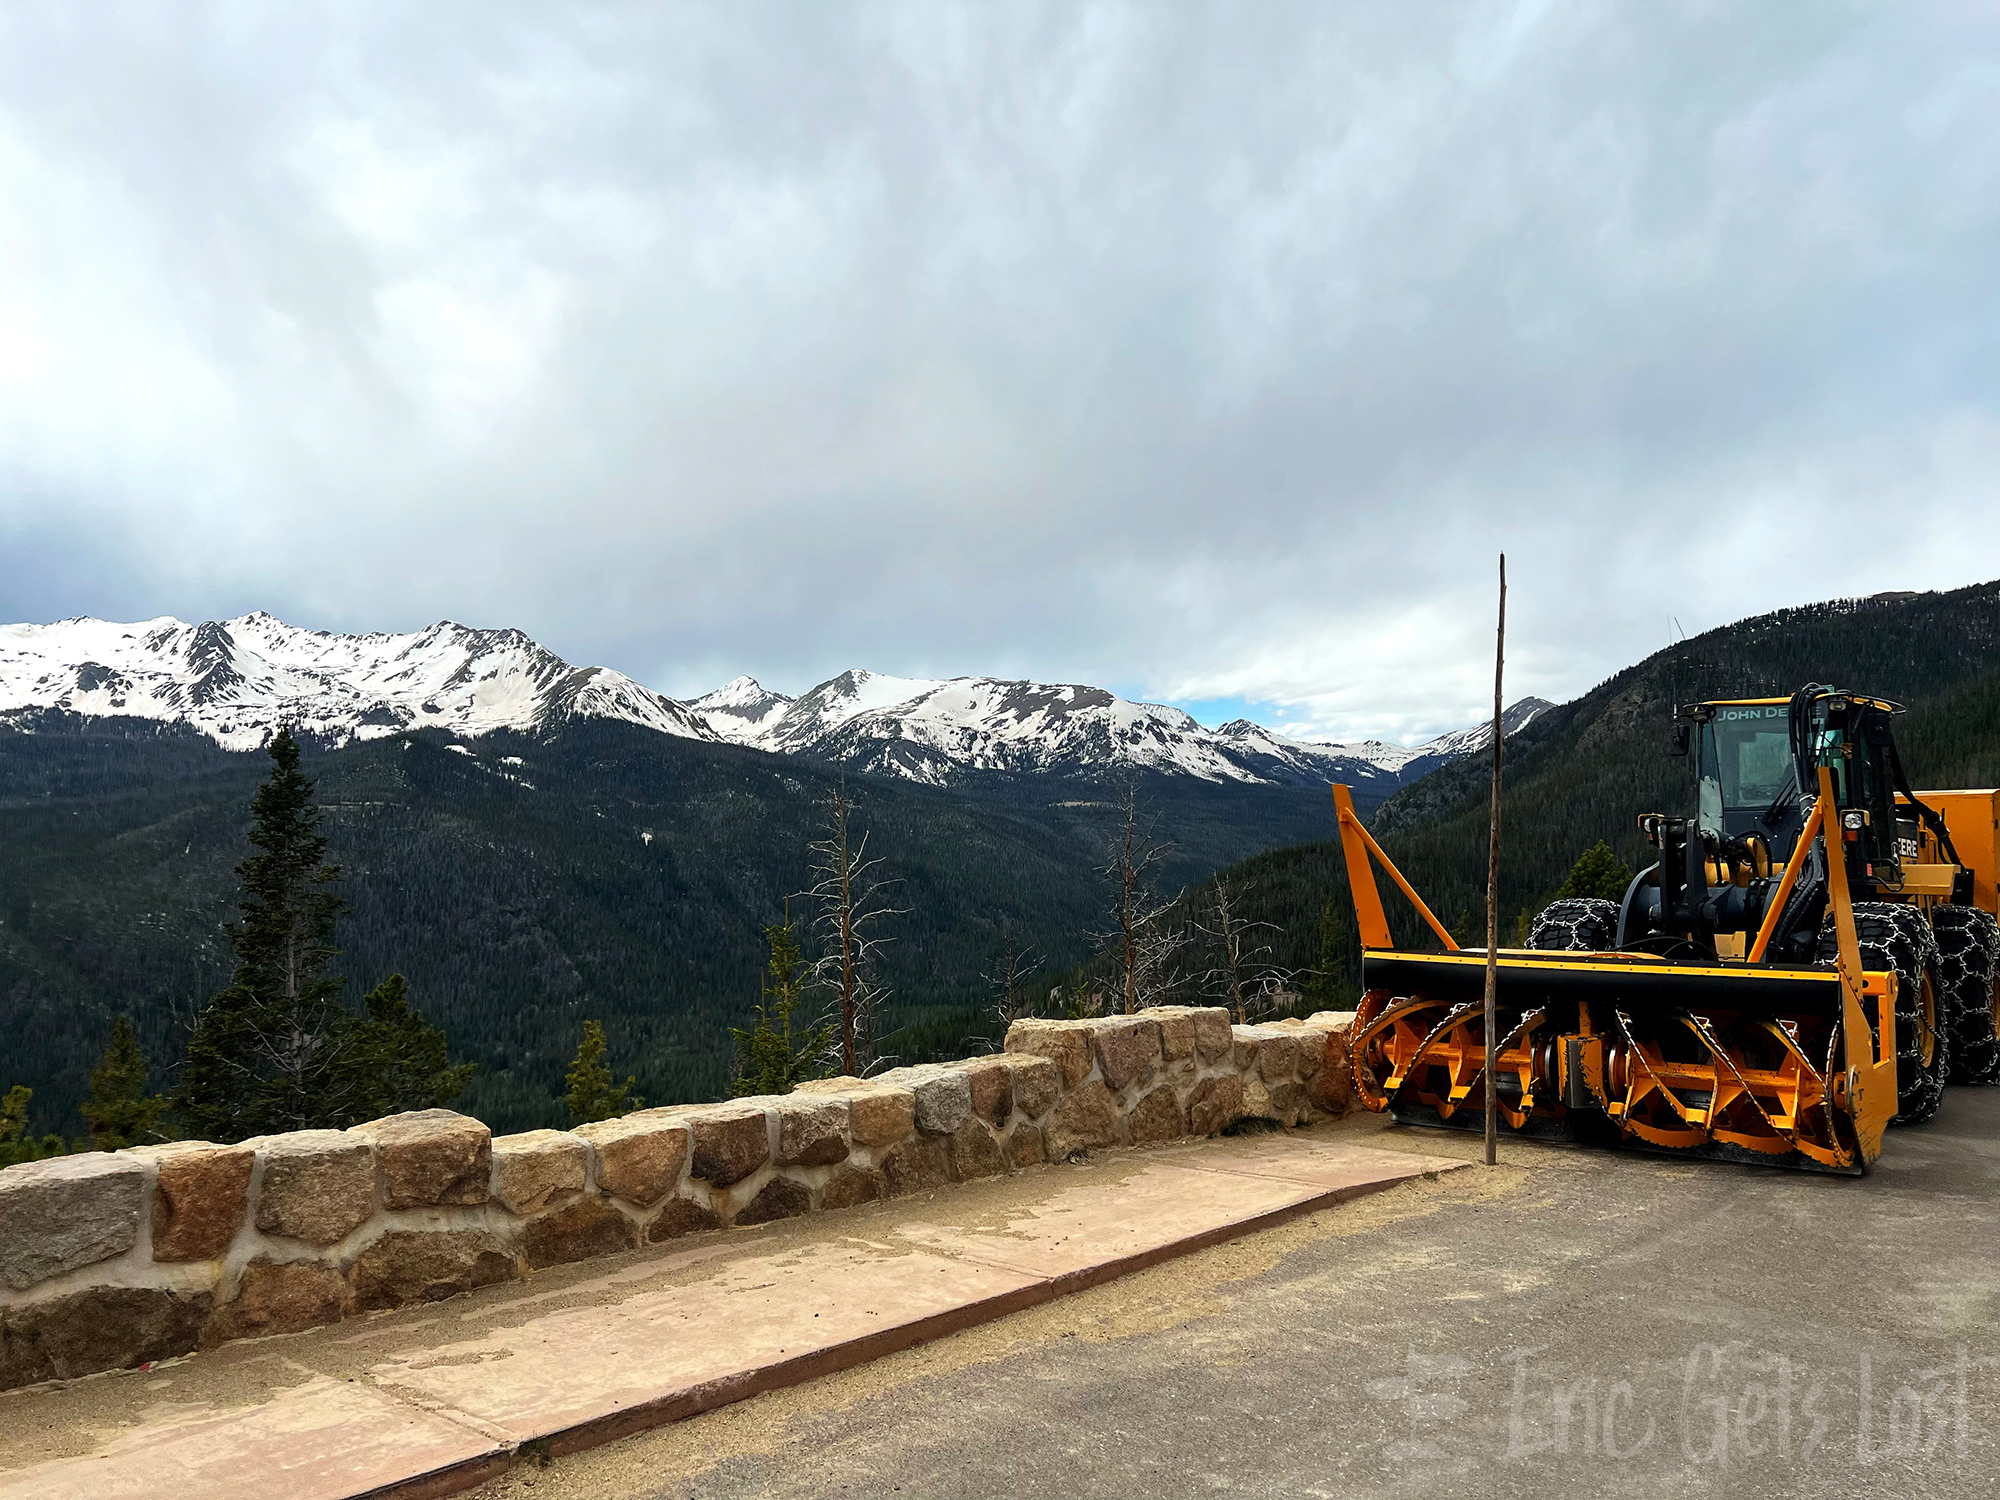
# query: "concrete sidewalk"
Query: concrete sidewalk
{"points": [[432, 1400]]}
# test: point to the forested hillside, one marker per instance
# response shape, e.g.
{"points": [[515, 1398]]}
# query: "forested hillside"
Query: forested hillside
{"points": [[524, 884], [1582, 772]]}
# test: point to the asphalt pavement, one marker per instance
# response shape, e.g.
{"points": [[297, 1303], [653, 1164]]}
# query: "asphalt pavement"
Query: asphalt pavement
{"points": [[1573, 1323]]}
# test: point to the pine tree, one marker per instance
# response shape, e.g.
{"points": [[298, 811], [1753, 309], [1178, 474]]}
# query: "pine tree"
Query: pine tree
{"points": [[16, 1144], [591, 1096], [266, 1051], [1598, 873], [770, 1058], [1323, 983], [397, 1059], [120, 1111]]}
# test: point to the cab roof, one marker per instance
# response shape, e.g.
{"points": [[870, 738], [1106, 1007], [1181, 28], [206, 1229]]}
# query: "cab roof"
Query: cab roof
{"points": [[1881, 703]]}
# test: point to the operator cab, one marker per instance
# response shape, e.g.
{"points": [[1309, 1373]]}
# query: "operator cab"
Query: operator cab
{"points": [[1757, 773], [1758, 764]]}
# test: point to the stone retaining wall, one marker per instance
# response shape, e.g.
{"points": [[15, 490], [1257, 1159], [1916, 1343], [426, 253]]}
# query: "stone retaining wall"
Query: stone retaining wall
{"points": [[111, 1260]]}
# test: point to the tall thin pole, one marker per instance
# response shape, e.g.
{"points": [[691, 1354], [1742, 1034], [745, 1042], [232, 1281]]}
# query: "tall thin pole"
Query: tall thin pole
{"points": [[1493, 878]]}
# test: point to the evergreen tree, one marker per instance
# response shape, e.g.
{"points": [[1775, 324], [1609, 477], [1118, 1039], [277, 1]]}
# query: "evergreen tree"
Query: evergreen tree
{"points": [[120, 1111], [1323, 981], [398, 1060], [591, 1096], [1598, 873], [266, 1051], [16, 1144], [770, 1059]]}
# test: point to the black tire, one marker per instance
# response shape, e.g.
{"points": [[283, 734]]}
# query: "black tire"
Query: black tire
{"points": [[1578, 924], [1968, 941], [1897, 937]]}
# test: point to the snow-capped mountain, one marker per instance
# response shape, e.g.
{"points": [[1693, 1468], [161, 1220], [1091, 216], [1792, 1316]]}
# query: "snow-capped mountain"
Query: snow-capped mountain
{"points": [[239, 680], [934, 730], [1479, 736], [742, 710]]}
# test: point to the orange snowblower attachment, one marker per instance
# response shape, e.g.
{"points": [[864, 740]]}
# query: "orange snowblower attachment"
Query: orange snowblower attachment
{"points": [[1756, 1058]]}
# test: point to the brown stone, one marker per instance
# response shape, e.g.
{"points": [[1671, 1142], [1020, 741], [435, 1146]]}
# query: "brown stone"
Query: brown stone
{"points": [[1216, 1102], [883, 1116], [1158, 1118], [200, 1198], [1212, 1032], [97, 1328], [1277, 1057], [1176, 1034], [992, 1082], [423, 1265], [66, 1212], [730, 1142], [681, 1216], [318, 1184], [639, 1159], [849, 1186], [975, 1153], [1288, 1103], [780, 1198], [845, 1083], [1086, 1116], [1037, 1084], [915, 1165], [1065, 1043], [430, 1157], [1311, 1044], [1024, 1145], [941, 1096], [1332, 1087], [280, 1297], [537, 1167], [577, 1231], [1128, 1049], [812, 1132]]}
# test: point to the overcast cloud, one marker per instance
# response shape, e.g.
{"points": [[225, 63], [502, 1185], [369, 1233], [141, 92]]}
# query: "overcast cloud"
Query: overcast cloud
{"points": [[1207, 353]]}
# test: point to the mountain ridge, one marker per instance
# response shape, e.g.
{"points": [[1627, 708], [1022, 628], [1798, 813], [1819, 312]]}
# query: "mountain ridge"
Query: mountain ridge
{"points": [[931, 729], [239, 680]]}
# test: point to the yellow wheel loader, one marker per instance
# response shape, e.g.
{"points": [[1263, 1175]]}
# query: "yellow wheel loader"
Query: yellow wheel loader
{"points": [[1811, 959]]}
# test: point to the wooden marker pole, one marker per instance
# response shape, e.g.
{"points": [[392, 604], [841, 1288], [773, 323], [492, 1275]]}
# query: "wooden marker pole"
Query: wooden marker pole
{"points": [[1493, 878]]}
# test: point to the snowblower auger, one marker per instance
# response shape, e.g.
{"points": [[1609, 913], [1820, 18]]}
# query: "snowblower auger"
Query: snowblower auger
{"points": [[1725, 1008]]}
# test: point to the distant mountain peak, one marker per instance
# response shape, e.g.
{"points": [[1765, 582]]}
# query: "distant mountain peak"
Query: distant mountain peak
{"points": [[939, 730], [742, 709], [239, 681]]}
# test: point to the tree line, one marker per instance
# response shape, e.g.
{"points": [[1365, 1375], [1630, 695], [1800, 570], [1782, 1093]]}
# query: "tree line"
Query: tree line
{"points": [[278, 1048]]}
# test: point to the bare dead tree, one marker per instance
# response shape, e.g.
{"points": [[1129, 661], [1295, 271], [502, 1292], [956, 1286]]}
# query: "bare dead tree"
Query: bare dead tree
{"points": [[851, 897], [1245, 979], [1009, 976], [1135, 909], [1163, 946]]}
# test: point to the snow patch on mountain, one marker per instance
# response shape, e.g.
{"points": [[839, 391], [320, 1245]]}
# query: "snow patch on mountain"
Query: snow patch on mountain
{"points": [[741, 710], [238, 681], [1480, 736]]}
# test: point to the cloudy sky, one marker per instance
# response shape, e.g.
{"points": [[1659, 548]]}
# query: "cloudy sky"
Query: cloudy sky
{"points": [[1206, 353]]}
